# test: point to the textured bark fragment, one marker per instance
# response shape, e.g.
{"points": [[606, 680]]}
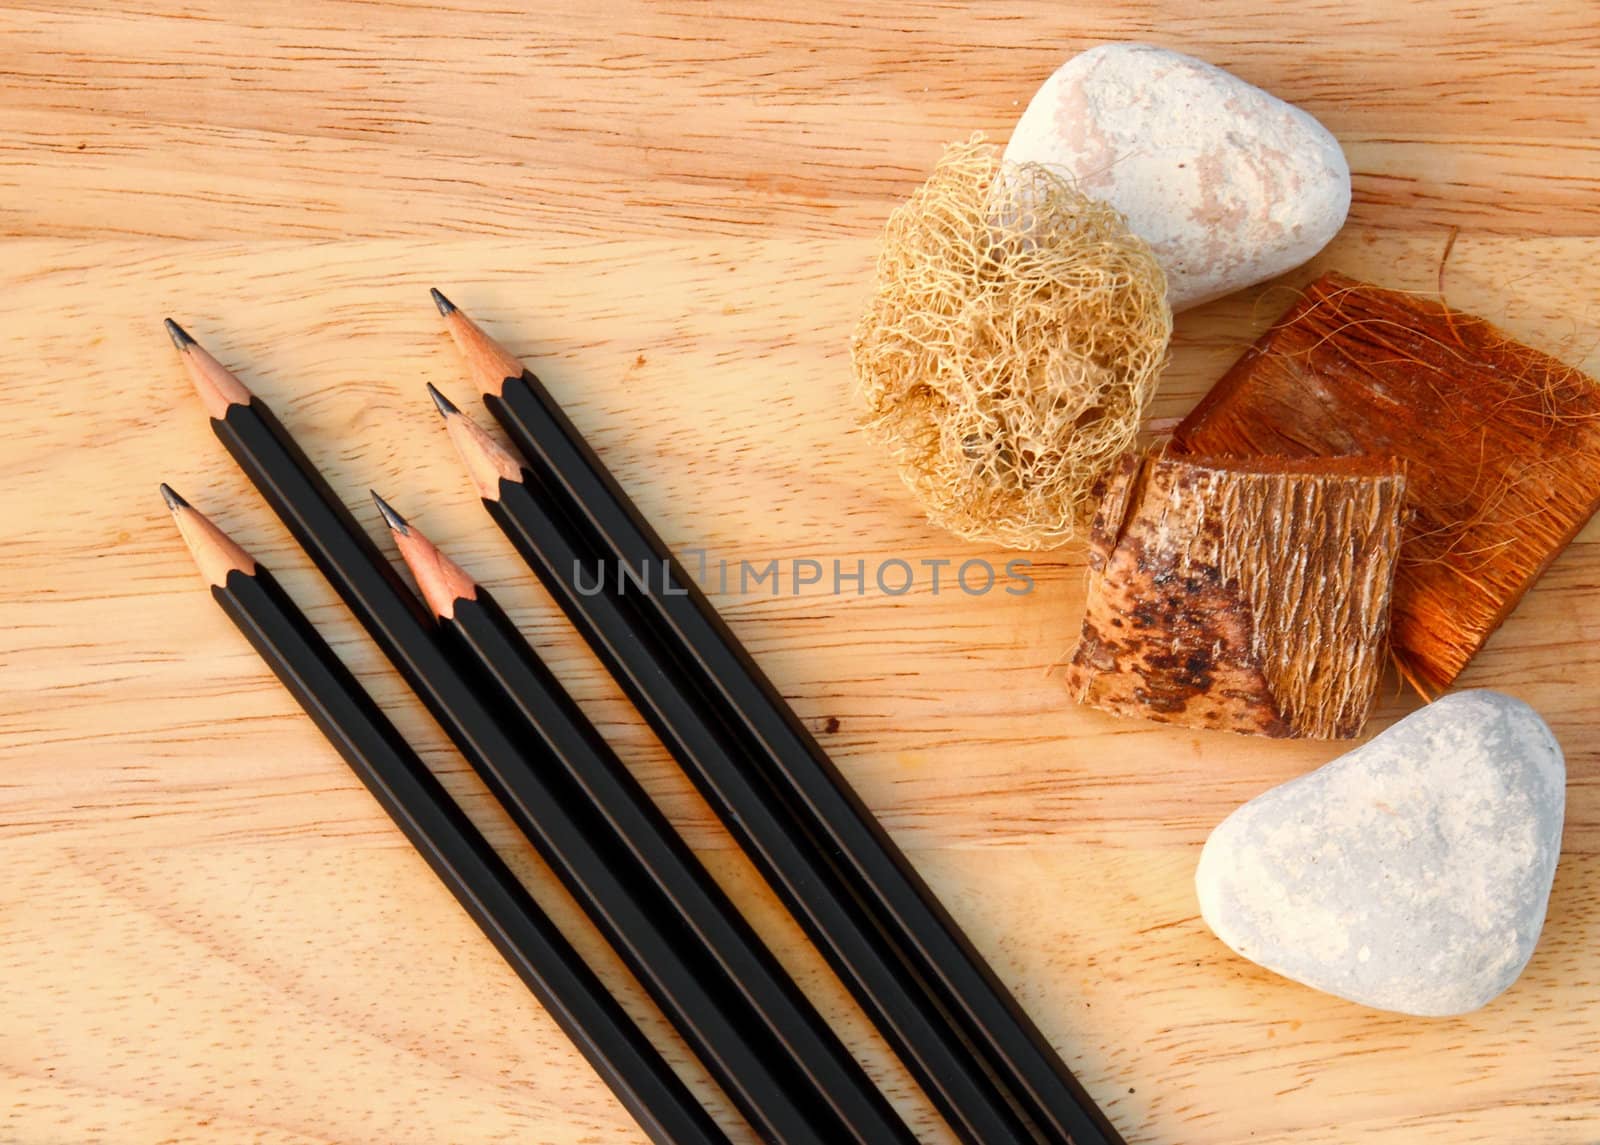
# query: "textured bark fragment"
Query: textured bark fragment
{"points": [[1243, 596], [1501, 445]]}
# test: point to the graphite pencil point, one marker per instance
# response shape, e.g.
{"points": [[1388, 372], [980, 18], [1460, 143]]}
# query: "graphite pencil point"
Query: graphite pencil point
{"points": [[173, 500], [445, 406], [446, 307], [180, 336], [394, 520], [216, 385]]}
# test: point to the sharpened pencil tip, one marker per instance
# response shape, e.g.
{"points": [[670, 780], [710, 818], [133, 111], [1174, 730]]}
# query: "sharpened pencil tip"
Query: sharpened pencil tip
{"points": [[444, 405], [173, 500], [180, 336], [394, 520], [446, 307]]}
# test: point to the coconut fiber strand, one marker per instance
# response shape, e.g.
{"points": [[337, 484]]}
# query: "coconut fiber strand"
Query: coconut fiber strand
{"points": [[1501, 445], [1244, 596], [1010, 349]]}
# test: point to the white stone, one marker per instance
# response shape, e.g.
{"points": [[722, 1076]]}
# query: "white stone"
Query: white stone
{"points": [[1228, 184], [1410, 874]]}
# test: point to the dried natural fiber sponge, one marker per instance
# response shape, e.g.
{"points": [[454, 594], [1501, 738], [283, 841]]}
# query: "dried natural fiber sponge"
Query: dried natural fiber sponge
{"points": [[1011, 348], [1247, 596], [1501, 445]]}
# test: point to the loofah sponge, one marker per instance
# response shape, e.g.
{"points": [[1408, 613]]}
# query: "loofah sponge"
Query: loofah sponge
{"points": [[1011, 348]]}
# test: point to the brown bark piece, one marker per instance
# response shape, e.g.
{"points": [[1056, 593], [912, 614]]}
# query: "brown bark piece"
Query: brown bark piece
{"points": [[1243, 596], [1501, 444]]}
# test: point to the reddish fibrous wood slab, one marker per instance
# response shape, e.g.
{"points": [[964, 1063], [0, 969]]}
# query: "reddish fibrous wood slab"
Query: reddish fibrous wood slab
{"points": [[1501, 445]]}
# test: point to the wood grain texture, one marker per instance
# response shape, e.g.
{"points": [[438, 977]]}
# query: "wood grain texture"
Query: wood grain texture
{"points": [[208, 932], [1248, 596]]}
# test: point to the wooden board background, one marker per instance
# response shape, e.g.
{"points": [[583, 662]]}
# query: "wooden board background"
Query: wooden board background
{"points": [[208, 933]]}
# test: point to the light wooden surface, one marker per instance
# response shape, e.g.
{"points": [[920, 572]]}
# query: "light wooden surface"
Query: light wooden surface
{"points": [[208, 932]]}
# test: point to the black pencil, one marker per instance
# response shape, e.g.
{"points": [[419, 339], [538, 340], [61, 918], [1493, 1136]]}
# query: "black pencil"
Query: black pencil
{"points": [[754, 1069], [473, 622], [443, 835], [681, 621], [797, 864]]}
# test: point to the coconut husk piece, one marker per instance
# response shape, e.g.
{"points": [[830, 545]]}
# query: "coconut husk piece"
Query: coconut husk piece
{"points": [[1501, 444], [1243, 596]]}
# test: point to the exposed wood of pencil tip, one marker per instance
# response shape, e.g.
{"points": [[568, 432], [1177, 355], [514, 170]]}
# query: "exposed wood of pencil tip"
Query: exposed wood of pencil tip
{"points": [[487, 461], [488, 363], [441, 581], [213, 550], [216, 385]]}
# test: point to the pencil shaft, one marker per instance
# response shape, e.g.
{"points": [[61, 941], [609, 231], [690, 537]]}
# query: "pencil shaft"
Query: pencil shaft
{"points": [[736, 691], [640, 925], [463, 860], [489, 638], [796, 863]]}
